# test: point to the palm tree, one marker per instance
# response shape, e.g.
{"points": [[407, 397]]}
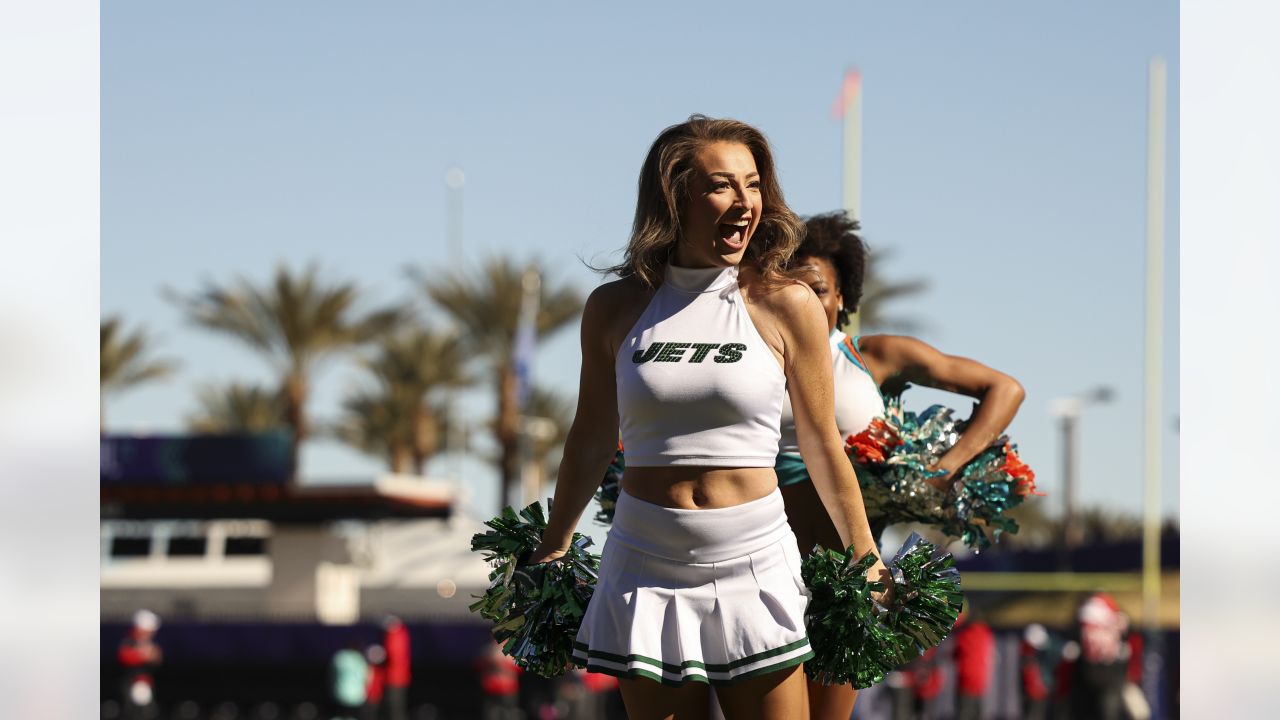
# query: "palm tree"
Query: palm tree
{"points": [[239, 408], [486, 306], [400, 419], [877, 291], [295, 322], [122, 362], [556, 414], [373, 423]]}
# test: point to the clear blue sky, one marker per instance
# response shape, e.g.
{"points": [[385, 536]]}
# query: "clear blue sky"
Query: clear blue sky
{"points": [[1004, 160]]}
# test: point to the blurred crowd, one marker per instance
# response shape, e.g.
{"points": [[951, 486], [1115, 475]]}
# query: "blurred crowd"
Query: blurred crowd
{"points": [[1091, 671], [365, 682]]}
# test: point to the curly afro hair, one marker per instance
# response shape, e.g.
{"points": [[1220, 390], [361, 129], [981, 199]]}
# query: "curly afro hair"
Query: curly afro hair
{"points": [[834, 236]]}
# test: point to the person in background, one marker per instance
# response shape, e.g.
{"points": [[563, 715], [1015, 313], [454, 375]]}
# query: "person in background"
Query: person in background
{"points": [[374, 689], [917, 686], [600, 689], [1067, 657], [1034, 672], [499, 683], [865, 370], [139, 655], [396, 643], [974, 650], [348, 678], [1094, 666], [1135, 701]]}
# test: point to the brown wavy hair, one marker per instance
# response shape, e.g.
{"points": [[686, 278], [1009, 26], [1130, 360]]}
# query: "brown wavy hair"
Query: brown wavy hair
{"points": [[664, 194]]}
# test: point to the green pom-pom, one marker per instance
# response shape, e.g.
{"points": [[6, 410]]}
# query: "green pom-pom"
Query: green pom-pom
{"points": [[850, 642], [856, 640], [536, 609], [928, 596]]}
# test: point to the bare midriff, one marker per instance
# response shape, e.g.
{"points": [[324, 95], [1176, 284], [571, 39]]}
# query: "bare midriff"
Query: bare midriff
{"points": [[691, 487]]}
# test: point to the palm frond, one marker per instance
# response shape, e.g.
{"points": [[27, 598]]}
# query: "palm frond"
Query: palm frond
{"points": [[238, 408], [878, 292], [397, 417], [295, 320], [123, 361], [486, 305]]}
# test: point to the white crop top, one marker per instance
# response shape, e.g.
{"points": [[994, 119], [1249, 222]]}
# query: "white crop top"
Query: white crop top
{"points": [[858, 400], [697, 385]]}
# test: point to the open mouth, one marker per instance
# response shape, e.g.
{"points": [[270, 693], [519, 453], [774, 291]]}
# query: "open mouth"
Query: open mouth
{"points": [[734, 234]]}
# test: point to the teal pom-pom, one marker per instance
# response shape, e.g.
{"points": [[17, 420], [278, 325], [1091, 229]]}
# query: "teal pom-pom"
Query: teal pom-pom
{"points": [[536, 609], [855, 639], [893, 457]]}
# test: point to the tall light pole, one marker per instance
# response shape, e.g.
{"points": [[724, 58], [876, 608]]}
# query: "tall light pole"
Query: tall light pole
{"points": [[523, 348], [848, 108], [1154, 384], [454, 180], [1067, 410], [1154, 375], [851, 187]]}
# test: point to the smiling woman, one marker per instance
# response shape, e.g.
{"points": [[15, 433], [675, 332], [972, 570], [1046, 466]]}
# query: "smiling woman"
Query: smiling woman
{"points": [[724, 206], [695, 173], [688, 356]]}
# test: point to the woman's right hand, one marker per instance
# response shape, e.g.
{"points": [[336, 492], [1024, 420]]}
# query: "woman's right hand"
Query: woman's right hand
{"points": [[880, 573]]}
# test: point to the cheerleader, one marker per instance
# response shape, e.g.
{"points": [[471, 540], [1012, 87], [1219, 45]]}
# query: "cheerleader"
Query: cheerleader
{"points": [[832, 259], [689, 354]]}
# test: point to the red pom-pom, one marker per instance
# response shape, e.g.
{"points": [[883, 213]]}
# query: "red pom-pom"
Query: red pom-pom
{"points": [[873, 445], [1022, 473]]}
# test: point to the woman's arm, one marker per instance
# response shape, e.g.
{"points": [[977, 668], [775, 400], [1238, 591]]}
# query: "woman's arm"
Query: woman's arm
{"points": [[896, 360], [593, 437], [803, 326]]}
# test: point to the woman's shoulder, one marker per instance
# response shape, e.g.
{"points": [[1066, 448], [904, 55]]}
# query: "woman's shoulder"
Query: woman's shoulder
{"points": [[784, 297], [883, 345], [614, 307], [892, 354], [618, 293], [777, 292]]}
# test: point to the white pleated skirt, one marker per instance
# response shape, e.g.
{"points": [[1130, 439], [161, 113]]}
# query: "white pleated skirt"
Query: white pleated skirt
{"points": [[710, 596]]}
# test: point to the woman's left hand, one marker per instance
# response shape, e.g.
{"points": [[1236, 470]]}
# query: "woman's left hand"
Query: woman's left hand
{"points": [[545, 553], [942, 482]]}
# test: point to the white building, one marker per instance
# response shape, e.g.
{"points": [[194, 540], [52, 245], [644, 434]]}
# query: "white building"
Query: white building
{"points": [[331, 553]]}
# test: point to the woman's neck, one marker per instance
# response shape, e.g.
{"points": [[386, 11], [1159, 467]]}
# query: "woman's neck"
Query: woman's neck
{"points": [[682, 257]]}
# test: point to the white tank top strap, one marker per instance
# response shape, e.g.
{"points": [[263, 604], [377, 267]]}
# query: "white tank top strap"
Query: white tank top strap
{"points": [[696, 383], [857, 398]]}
